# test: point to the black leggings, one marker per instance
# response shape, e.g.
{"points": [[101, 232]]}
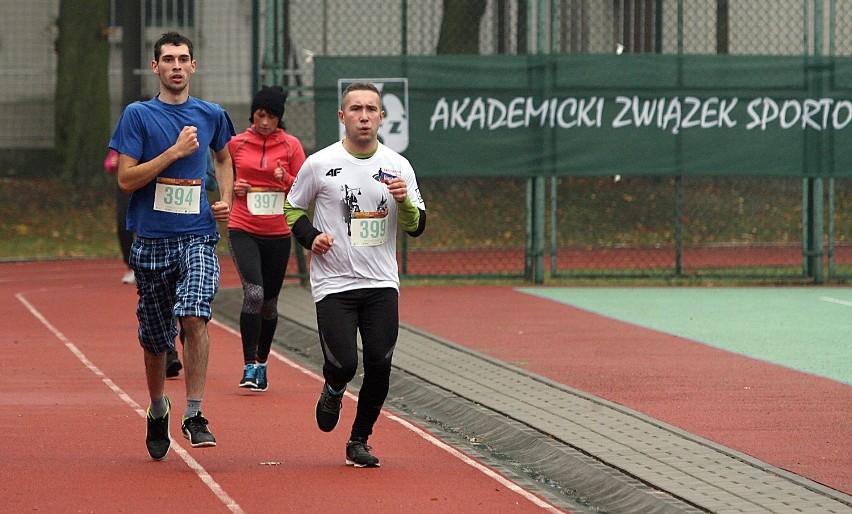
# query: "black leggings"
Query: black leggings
{"points": [[375, 313], [262, 264]]}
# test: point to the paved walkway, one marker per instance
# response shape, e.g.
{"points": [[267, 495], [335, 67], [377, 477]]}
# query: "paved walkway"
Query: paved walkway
{"points": [[577, 450]]}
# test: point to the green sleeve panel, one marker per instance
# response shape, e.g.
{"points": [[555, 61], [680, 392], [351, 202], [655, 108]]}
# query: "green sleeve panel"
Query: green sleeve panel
{"points": [[292, 214], [409, 215]]}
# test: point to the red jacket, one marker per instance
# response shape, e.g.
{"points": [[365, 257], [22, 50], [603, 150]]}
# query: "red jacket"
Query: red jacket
{"points": [[255, 158]]}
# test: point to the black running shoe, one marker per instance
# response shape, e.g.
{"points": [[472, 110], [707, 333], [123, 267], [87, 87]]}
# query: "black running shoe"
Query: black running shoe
{"points": [[157, 438], [358, 455], [328, 409], [195, 429], [173, 365]]}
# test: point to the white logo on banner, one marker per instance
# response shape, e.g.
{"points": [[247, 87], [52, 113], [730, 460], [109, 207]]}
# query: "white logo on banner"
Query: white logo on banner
{"points": [[393, 131]]}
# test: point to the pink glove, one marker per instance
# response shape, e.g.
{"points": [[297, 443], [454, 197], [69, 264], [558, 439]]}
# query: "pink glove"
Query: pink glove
{"points": [[111, 161]]}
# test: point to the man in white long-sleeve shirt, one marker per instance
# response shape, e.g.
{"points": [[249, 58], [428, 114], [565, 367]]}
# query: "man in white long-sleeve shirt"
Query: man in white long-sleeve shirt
{"points": [[361, 191]]}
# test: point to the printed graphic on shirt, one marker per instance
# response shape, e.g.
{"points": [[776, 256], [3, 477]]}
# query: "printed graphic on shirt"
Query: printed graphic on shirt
{"points": [[387, 174], [365, 227]]}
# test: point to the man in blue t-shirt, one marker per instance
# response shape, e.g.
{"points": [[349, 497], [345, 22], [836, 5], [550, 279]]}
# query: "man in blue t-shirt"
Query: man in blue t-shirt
{"points": [[163, 145]]}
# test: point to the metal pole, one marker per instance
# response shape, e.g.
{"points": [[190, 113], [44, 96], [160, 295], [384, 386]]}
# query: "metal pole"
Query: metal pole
{"points": [[553, 226], [816, 189], [722, 16], [678, 225], [831, 207], [542, 46], [539, 229], [529, 251], [528, 226], [658, 26], [832, 49]]}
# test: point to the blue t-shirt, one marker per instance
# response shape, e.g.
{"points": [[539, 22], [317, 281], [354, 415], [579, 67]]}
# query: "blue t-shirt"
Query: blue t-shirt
{"points": [[147, 129]]}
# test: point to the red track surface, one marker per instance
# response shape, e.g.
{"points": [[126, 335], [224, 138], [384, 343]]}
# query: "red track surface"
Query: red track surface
{"points": [[789, 419], [72, 395]]}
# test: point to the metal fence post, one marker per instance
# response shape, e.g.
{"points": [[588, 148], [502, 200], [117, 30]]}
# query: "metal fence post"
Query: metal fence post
{"points": [[813, 190], [528, 228], [831, 228], [678, 226], [554, 241], [538, 229]]}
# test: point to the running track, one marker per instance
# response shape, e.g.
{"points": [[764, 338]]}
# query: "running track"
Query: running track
{"points": [[73, 398], [790, 419]]}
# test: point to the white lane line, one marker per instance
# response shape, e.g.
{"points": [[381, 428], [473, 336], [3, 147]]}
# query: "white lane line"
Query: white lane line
{"points": [[836, 300], [470, 462], [192, 463], [420, 432]]}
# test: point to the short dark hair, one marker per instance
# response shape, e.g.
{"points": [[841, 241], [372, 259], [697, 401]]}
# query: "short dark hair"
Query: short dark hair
{"points": [[171, 38], [360, 86]]}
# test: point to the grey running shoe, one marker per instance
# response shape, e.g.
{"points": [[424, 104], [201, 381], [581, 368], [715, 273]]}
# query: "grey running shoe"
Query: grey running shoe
{"points": [[358, 455], [249, 379], [157, 437], [260, 379], [195, 429], [328, 409]]}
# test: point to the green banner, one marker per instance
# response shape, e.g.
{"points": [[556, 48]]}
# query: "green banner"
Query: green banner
{"points": [[598, 115]]}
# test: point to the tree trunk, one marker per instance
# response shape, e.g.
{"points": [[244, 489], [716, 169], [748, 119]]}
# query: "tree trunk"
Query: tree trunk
{"points": [[82, 90], [460, 27]]}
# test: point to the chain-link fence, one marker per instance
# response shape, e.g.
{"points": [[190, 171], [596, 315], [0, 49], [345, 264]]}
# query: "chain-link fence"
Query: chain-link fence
{"points": [[601, 226], [634, 227], [671, 227]]}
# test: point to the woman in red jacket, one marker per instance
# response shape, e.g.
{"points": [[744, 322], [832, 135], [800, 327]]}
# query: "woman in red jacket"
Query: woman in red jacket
{"points": [[266, 161]]}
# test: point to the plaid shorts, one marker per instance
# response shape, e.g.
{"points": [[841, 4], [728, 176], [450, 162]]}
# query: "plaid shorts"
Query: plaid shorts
{"points": [[175, 277]]}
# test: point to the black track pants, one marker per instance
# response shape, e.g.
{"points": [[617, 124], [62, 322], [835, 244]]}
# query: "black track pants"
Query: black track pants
{"points": [[375, 314]]}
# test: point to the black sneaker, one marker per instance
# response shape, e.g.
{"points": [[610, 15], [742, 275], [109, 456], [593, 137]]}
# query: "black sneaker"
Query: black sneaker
{"points": [[157, 437], [328, 409], [260, 379], [358, 455], [195, 429], [173, 365]]}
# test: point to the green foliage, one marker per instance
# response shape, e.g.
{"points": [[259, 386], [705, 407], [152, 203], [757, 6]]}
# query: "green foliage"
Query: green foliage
{"points": [[48, 219], [489, 213]]}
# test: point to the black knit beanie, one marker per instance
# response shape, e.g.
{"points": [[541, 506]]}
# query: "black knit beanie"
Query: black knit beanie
{"points": [[270, 98]]}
